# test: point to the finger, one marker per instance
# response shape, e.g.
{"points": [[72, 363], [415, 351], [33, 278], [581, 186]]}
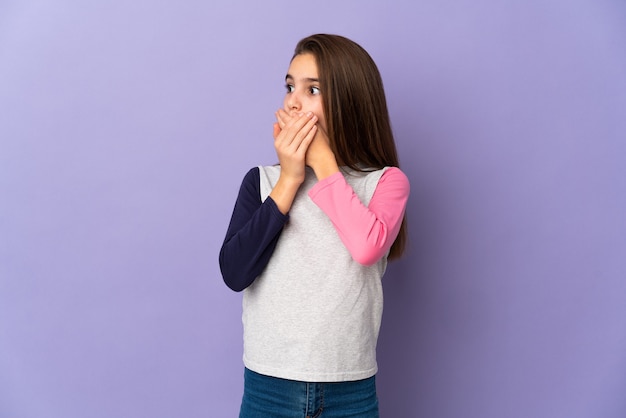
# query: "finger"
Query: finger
{"points": [[282, 117], [288, 119], [276, 130], [292, 128], [305, 135], [303, 146], [304, 124]]}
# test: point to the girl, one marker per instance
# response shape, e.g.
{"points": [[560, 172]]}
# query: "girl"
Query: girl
{"points": [[309, 239]]}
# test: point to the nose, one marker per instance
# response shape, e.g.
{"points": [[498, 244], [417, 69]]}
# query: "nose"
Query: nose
{"points": [[293, 102]]}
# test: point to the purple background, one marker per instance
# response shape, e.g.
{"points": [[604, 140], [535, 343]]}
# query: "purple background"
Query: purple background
{"points": [[127, 126]]}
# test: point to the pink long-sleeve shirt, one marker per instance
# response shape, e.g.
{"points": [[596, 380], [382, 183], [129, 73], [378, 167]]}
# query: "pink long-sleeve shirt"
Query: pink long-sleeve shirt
{"points": [[367, 231]]}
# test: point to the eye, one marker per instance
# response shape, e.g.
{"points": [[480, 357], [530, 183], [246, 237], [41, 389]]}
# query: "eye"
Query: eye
{"points": [[290, 88], [315, 91]]}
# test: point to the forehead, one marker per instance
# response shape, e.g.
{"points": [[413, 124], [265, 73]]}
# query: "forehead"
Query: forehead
{"points": [[303, 66]]}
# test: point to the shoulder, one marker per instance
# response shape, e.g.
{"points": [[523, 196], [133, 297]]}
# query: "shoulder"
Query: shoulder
{"points": [[269, 171], [252, 174], [395, 176], [268, 176], [393, 184], [251, 179]]}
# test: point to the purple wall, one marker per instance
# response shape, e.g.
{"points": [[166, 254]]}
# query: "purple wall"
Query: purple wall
{"points": [[125, 130]]}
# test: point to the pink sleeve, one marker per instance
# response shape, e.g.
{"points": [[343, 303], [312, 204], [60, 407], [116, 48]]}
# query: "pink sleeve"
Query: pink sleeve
{"points": [[367, 231]]}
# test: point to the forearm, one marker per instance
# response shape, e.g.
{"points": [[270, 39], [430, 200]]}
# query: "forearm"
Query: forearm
{"points": [[252, 235], [245, 254], [367, 231], [284, 192]]}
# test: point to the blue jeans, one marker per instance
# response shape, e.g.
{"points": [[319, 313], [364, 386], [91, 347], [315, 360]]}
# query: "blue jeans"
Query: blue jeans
{"points": [[271, 397]]}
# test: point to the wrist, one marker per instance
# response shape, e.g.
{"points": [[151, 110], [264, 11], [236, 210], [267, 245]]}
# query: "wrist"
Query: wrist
{"points": [[284, 192], [290, 181], [325, 169]]}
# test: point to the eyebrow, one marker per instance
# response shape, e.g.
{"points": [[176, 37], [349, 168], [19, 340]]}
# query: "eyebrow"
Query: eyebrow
{"points": [[306, 79]]}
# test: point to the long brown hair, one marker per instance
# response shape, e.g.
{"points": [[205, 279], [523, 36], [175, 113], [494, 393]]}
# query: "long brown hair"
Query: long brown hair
{"points": [[355, 109]]}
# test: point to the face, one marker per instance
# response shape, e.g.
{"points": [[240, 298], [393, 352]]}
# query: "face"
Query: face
{"points": [[303, 88]]}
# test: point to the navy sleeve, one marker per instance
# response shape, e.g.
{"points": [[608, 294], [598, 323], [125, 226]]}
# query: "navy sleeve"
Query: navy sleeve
{"points": [[252, 234]]}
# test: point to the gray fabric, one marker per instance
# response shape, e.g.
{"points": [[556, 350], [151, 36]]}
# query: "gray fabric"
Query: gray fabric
{"points": [[314, 314]]}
